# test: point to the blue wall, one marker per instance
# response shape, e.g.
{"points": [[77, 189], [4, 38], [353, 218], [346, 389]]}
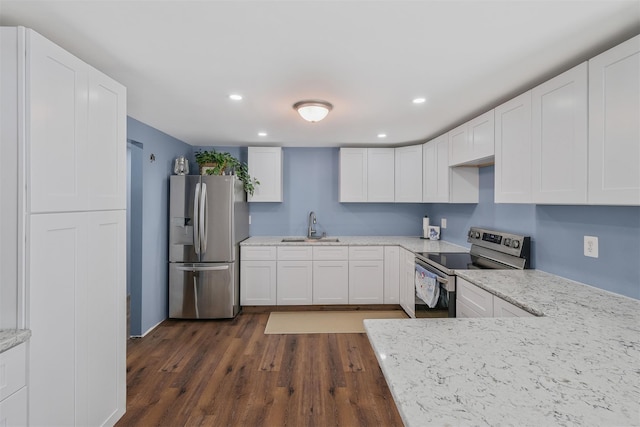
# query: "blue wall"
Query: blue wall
{"points": [[153, 292], [557, 236], [311, 184]]}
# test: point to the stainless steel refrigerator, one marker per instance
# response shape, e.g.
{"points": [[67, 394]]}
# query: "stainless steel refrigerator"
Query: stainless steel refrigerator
{"points": [[208, 218]]}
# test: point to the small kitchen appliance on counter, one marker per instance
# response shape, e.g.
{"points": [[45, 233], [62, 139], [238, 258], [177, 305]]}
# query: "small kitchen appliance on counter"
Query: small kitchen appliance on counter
{"points": [[493, 250]]}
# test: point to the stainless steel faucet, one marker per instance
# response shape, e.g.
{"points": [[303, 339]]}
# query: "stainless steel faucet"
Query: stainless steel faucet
{"points": [[311, 232]]}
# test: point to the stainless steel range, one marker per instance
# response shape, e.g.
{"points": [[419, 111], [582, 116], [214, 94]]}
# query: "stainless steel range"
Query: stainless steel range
{"points": [[490, 249]]}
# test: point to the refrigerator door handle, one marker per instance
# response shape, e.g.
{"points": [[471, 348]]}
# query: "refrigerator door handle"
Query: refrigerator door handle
{"points": [[202, 268], [196, 220], [195, 294], [203, 217]]}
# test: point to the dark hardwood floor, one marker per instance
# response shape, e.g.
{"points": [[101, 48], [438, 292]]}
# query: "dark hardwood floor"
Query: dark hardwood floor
{"points": [[228, 373]]}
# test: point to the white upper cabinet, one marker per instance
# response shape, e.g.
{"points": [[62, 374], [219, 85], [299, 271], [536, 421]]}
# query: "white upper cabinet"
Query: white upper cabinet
{"points": [[76, 137], [107, 143], [408, 174], [353, 175], [265, 165], [380, 174], [435, 170], [513, 151], [559, 139], [441, 183], [614, 125], [57, 110], [472, 142]]}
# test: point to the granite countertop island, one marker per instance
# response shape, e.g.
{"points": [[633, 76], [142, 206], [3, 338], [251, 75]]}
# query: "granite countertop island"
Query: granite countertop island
{"points": [[10, 338], [578, 364]]}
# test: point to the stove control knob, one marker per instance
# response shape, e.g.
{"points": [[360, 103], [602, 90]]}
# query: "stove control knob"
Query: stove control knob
{"points": [[507, 242], [515, 244], [477, 234], [470, 233]]}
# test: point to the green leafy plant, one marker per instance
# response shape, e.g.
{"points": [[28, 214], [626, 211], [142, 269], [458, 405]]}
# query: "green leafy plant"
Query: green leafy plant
{"points": [[218, 163]]}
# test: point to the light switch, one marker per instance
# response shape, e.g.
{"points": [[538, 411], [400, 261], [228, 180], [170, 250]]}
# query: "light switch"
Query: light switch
{"points": [[443, 223]]}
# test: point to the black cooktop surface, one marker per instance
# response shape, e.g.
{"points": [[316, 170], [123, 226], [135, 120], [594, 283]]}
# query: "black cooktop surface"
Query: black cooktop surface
{"points": [[452, 260]]}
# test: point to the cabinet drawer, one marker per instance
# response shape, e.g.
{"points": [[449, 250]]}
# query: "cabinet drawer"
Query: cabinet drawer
{"points": [[258, 253], [474, 298], [366, 253], [331, 253], [295, 253], [13, 410], [12, 370]]}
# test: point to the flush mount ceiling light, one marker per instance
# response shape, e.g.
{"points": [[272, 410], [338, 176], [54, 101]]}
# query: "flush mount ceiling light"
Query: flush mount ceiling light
{"points": [[312, 110]]}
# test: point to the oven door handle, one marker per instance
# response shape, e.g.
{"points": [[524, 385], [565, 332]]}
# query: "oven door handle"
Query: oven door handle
{"points": [[441, 280]]}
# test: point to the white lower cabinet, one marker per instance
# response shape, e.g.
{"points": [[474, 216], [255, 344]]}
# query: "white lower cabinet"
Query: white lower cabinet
{"points": [[472, 301], [257, 282], [330, 282], [366, 283], [331, 275], [77, 354], [295, 283], [13, 390], [258, 275], [13, 409], [407, 290], [392, 275]]}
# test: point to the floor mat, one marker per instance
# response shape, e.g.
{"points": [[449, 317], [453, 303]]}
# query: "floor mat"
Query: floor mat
{"points": [[325, 322]]}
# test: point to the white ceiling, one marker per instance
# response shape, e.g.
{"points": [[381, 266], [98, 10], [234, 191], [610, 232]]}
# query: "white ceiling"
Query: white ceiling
{"points": [[180, 60]]}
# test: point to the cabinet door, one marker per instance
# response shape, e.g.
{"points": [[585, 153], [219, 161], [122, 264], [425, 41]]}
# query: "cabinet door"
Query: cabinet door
{"points": [[258, 282], [57, 128], [513, 151], [614, 125], [481, 137], [408, 283], [58, 266], [502, 308], [435, 170], [459, 148], [380, 174], [107, 143], [105, 311], [353, 175], [258, 253], [472, 301], [366, 282], [295, 283], [265, 165], [408, 171], [295, 253], [331, 282], [391, 275], [559, 138]]}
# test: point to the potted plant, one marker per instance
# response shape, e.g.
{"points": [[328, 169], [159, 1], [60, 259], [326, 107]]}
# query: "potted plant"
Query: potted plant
{"points": [[218, 163]]}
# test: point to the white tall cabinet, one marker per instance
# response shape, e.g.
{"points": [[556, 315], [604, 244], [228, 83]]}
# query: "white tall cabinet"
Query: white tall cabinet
{"points": [[614, 125], [408, 174], [74, 155]]}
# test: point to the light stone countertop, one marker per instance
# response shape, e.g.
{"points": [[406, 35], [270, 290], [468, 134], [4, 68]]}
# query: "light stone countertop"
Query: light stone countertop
{"points": [[577, 365], [413, 244], [10, 338]]}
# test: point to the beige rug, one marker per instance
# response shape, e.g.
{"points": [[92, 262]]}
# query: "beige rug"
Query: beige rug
{"points": [[325, 322]]}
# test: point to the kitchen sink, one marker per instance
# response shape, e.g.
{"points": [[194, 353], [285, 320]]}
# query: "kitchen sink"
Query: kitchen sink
{"points": [[306, 240]]}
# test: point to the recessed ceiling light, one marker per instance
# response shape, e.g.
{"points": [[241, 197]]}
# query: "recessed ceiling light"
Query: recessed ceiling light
{"points": [[262, 134], [382, 135], [235, 97], [419, 100]]}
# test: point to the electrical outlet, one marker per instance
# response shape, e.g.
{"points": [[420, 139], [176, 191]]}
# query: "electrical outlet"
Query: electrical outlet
{"points": [[591, 246], [443, 223]]}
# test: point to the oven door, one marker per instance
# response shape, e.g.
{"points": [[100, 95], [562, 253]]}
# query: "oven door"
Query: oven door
{"points": [[447, 287]]}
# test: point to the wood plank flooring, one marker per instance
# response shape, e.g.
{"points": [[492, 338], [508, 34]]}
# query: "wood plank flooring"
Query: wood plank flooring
{"points": [[228, 373]]}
